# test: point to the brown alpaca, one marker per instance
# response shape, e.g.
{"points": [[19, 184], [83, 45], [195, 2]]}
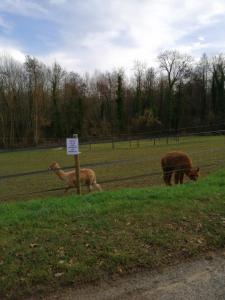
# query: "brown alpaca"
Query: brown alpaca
{"points": [[87, 177], [179, 163]]}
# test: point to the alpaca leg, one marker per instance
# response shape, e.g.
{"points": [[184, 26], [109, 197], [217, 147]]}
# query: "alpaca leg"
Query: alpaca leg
{"points": [[177, 177], [67, 188], [167, 178], [181, 177], [90, 188]]}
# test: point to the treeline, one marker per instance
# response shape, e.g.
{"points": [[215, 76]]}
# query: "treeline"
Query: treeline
{"points": [[39, 102]]}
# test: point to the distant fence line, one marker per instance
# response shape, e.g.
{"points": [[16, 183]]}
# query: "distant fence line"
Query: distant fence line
{"points": [[175, 136], [129, 134]]}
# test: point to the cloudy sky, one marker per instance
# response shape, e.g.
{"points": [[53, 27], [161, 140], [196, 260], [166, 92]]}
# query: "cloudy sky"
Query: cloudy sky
{"points": [[84, 35]]}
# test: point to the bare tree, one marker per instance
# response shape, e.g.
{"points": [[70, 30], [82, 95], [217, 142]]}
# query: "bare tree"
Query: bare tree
{"points": [[200, 88], [11, 100], [36, 81], [176, 65], [56, 76], [177, 68], [139, 73], [218, 90], [149, 87]]}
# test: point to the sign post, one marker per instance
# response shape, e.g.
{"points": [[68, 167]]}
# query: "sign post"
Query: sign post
{"points": [[72, 147]]}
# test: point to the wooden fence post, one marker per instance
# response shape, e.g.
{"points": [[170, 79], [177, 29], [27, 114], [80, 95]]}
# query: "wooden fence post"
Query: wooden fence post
{"points": [[113, 144], [77, 168], [138, 142], [130, 142]]}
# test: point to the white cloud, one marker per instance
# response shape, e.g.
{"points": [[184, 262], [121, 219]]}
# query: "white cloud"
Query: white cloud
{"points": [[23, 7], [201, 38], [13, 49], [6, 26], [68, 60], [216, 8], [152, 26], [96, 34], [193, 47], [57, 2], [13, 52]]}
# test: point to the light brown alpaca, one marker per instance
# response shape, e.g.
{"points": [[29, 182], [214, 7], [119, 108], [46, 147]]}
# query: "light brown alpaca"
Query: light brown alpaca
{"points": [[179, 163], [87, 177]]}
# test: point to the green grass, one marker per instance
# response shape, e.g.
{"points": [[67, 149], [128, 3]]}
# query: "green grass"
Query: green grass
{"points": [[48, 244], [142, 160]]}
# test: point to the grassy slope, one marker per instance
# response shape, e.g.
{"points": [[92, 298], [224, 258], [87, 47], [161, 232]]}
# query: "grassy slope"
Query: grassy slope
{"points": [[51, 243]]}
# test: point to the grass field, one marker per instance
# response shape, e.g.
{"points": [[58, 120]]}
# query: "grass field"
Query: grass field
{"points": [[208, 150], [48, 244]]}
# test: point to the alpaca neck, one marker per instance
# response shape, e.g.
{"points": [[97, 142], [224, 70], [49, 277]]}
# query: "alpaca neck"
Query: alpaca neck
{"points": [[61, 174]]}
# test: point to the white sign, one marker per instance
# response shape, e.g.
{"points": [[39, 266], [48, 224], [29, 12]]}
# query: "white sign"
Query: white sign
{"points": [[72, 146]]}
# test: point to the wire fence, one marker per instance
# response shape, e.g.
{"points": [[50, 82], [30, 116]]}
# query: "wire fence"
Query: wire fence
{"points": [[214, 151], [217, 163], [101, 163], [134, 138]]}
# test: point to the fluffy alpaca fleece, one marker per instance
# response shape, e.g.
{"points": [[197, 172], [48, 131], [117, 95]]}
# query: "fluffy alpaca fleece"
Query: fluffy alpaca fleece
{"points": [[179, 163], [87, 177]]}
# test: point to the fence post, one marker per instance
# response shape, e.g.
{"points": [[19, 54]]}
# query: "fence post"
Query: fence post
{"points": [[77, 168], [113, 144], [130, 142]]}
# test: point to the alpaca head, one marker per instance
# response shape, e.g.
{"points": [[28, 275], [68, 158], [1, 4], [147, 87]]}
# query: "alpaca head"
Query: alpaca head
{"points": [[194, 174], [54, 166]]}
